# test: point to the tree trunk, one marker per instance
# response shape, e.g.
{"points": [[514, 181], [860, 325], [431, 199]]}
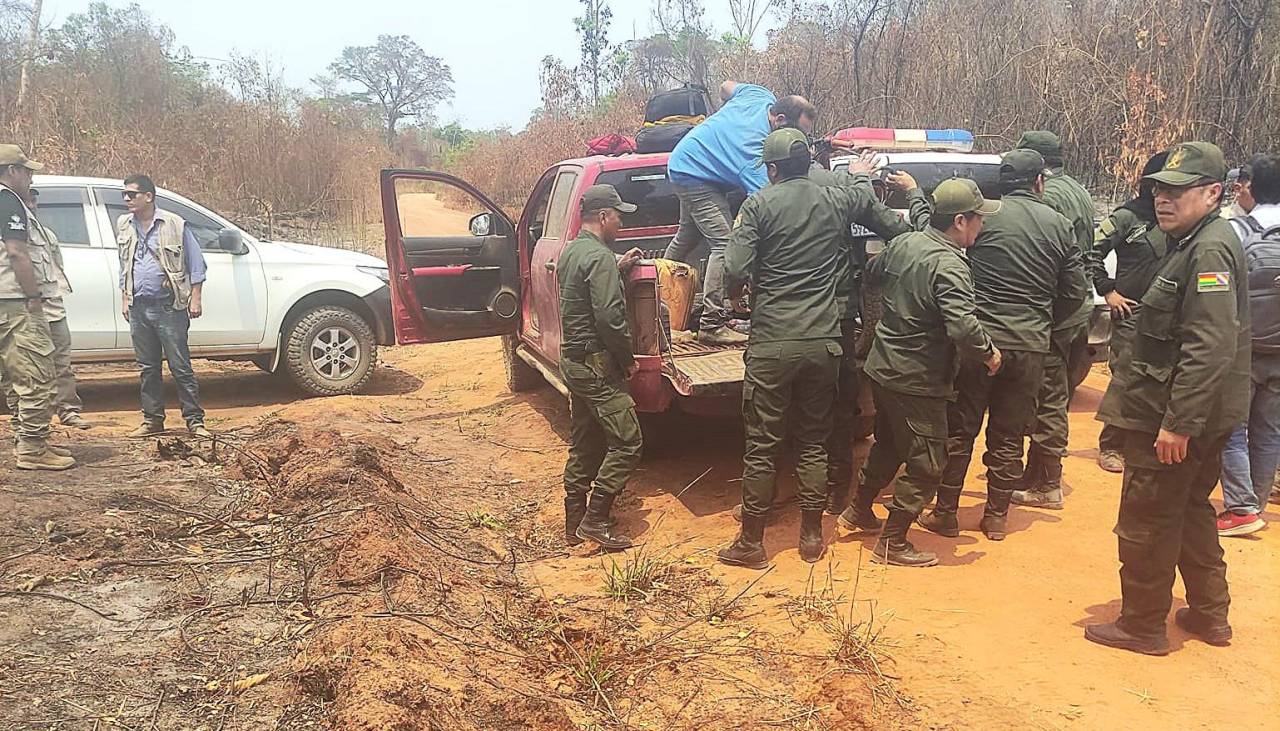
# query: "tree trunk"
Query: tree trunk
{"points": [[33, 48]]}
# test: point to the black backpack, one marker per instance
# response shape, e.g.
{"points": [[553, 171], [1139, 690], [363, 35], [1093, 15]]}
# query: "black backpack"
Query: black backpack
{"points": [[690, 100], [1262, 262], [661, 137]]}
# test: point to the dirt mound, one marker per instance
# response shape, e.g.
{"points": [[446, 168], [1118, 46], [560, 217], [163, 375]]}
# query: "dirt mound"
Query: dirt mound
{"points": [[316, 467]]}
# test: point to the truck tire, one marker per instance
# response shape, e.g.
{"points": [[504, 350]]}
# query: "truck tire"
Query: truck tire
{"points": [[329, 351], [520, 375]]}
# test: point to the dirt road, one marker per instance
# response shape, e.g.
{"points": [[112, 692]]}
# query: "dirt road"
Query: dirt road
{"points": [[392, 560]]}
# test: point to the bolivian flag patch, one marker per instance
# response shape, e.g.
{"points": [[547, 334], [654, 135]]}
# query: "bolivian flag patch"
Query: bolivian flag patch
{"points": [[1213, 282]]}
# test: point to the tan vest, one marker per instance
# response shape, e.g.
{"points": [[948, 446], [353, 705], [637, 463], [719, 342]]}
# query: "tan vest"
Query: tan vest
{"points": [[42, 260], [172, 262]]}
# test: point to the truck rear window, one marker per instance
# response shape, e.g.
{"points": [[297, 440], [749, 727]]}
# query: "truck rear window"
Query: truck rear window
{"points": [[930, 174], [651, 192]]}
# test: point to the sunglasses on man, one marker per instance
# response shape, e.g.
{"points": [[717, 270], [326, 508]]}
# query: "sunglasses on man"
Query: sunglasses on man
{"points": [[131, 194]]}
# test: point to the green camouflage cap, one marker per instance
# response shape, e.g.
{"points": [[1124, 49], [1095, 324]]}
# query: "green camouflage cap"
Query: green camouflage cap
{"points": [[1021, 165], [784, 144], [1190, 163], [962, 195], [1044, 142], [13, 155], [602, 196]]}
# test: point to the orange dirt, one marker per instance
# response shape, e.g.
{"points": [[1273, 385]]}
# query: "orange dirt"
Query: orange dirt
{"points": [[425, 517]]}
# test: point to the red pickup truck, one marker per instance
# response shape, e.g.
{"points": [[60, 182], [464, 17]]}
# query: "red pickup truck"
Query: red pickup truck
{"points": [[462, 268]]}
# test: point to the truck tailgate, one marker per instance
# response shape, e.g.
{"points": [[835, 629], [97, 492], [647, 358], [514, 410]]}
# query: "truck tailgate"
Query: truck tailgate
{"points": [[696, 369]]}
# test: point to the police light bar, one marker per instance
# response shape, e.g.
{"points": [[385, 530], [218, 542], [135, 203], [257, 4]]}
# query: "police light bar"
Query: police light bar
{"points": [[884, 138]]}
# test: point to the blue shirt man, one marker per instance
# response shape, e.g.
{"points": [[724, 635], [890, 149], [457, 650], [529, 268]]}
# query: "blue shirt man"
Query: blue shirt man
{"points": [[726, 147], [160, 317], [715, 158]]}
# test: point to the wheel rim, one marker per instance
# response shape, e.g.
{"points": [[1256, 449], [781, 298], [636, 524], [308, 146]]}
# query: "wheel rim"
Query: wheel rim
{"points": [[335, 353]]}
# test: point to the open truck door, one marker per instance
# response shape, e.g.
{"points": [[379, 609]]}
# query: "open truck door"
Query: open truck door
{"points": [[452, 255]]}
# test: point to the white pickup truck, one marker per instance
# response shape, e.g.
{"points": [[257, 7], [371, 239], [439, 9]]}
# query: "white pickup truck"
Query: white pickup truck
{"points": [[316, 314]]}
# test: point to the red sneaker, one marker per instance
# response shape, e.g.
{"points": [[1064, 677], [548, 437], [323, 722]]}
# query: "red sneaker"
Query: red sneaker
{"points": [[1234, 524]]}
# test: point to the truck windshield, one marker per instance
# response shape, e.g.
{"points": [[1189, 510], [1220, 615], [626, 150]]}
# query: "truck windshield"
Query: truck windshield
{"points": [[651, 192]]}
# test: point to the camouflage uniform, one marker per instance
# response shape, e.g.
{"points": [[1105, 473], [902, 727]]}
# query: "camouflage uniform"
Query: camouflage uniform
{"points": [[26, 345]]}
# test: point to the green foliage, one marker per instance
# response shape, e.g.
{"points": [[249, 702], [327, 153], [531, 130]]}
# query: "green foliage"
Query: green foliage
{"points": [[593, 36], [396, 77]]}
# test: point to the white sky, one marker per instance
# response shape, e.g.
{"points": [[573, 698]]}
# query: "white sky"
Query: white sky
{"points": [[492, 46]]}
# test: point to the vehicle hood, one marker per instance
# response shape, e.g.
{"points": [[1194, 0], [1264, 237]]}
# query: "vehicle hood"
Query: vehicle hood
{"points": [[288, 251]]}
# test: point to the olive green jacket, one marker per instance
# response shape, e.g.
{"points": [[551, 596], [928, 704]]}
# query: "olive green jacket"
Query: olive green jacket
{"points": [[593, 312], [1191, 355], [929, 315], [880, 220], [1137, 257], [1067, 196], [787, 242], [1027, 273]]}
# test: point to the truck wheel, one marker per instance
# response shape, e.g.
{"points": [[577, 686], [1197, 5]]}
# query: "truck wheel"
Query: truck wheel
{"points": [[330, 351], [520, 375]]}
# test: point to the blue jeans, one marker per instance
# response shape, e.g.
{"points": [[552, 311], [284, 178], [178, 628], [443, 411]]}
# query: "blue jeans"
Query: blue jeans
{"points": [[1250, 457], [160, 333]]}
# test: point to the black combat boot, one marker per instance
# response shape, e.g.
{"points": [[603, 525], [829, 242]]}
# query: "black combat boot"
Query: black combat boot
{"points": [[596, 525], [748, 549], [837, 495], [575, 506], [1033, 474], [1046, 494], [859, 516], [811, 544], [1113, 635], [993, 518], [1216, 633], [894, 549], [943, 518]]}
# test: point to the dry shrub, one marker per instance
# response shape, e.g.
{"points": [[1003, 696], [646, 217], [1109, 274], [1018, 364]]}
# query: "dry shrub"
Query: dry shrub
{"points": [[506, 166]]}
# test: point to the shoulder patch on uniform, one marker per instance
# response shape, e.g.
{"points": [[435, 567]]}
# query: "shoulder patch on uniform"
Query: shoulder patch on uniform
{"points": [[1213, 282], [16, 224]]}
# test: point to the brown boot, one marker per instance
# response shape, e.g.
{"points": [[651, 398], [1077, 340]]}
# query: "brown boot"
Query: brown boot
{"points": [[46, 460]]}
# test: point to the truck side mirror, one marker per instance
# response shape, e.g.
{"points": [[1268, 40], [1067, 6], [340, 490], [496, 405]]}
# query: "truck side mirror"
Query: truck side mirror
{"points": [[230, 240], [482, 224]]}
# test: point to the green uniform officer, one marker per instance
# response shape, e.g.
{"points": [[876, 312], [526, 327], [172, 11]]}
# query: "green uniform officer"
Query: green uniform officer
{"points": [[27, 278], [1130, 231], [1027, 275], [886, 224], [596, 360], [929, 324], [1188, 388], [1068, 343], [786, 243]]}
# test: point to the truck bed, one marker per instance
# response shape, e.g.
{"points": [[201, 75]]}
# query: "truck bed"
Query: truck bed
{"points": [[697, 369]]}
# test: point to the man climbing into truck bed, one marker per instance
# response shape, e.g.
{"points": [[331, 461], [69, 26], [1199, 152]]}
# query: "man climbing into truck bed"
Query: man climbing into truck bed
{"points": [[713, 159]]}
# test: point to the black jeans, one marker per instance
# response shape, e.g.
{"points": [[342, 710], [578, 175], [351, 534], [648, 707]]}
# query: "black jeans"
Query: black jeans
{"points": [[159, 333]]}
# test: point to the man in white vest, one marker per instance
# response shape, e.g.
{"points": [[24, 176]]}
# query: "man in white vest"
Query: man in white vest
{"points": [[161, 276], [27, 280]]}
